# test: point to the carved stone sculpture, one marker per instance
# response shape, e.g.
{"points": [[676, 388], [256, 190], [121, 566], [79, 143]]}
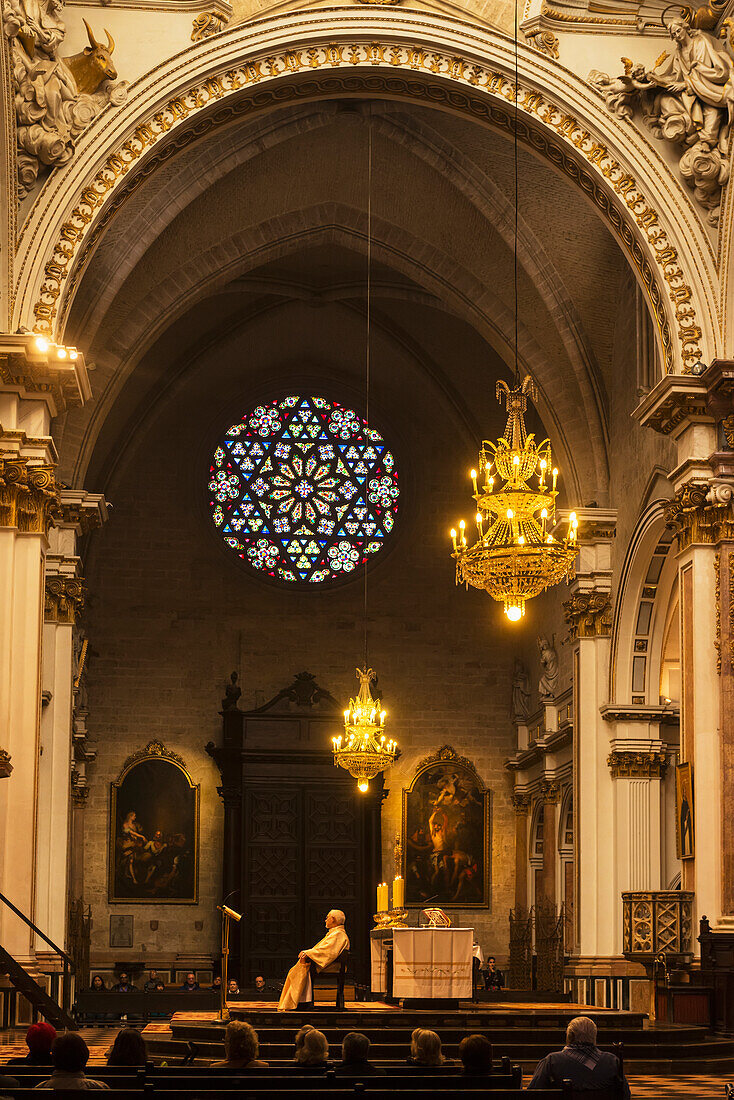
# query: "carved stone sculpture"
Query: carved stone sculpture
{"points": [[520, 693], [548, 682], [687, 98], [55, 98], [232, 694], [206, 24]]}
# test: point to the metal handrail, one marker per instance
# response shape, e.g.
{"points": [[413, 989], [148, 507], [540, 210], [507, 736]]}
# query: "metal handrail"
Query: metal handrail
{"points": [[59, 950]]}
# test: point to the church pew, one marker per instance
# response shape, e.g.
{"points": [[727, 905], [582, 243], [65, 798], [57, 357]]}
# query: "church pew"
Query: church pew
{"points": [[272, 1081], [374, 1088]]}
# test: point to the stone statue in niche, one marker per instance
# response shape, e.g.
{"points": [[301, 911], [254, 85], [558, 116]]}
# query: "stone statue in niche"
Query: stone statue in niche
{"points": [[548, 682], [55, 98], [520, 693], [232, 694], [687, 98]]}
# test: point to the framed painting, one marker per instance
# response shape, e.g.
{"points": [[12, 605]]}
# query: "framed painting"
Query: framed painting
{"points": [[446, 828], [684, 821], [154, 830], [121, 930]]}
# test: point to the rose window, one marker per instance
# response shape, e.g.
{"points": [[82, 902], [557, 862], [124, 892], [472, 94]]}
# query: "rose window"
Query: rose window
{"points": [[303, 490]]}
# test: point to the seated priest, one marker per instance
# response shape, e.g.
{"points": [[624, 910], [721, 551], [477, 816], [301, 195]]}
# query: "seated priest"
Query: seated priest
{"points": [[297, 988]]}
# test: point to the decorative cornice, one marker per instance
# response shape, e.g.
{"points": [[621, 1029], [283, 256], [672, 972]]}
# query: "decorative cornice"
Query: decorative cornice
{"points": [[589, 615], [520, 802], [701, 513], [675, 401], [64, 599], [624, 764], [80, 509], [396, 66], [633, 712], [5, 765], [28, 495], [550, 792], [153, 750], [40, 370]]}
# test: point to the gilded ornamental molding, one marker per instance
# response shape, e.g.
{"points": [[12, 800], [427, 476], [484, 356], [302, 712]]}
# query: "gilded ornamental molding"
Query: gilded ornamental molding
{"points": [[636, 764], [589, 615], [28, 495], [5, 765], [395, 68], [64, 599]]}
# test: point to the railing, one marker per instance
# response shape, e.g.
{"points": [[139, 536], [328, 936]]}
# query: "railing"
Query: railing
{"points": [[68, 962], [657, 922]]}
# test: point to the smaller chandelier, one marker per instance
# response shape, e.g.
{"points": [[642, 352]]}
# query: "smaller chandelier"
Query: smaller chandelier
{"points": [[364, 751], [516, 555]]}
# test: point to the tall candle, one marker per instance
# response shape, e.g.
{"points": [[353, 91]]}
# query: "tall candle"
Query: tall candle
{"points": [[382, 905], [398, 892]]}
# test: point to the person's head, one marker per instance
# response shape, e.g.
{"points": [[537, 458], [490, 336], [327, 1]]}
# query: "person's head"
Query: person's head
{"points": [[425, 1047], [678, 29], [191, 978], [475, 1052], [259, 982], [97, 982], [301, 1035], [128, 1049], [490, 962], [355, 1047], [217, 983], [39, 1038], [69, 1052], [581, 1031], [335, 919], [152, 974], [232, 985], [314, 1049], [240, 1042], [124, 978]]}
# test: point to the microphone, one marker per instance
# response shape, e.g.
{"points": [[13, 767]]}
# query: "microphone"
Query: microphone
{"points": [[229, 912]]}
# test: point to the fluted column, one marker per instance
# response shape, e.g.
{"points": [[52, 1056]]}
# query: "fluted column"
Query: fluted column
{"points": [[521, 804], [37, 381]]}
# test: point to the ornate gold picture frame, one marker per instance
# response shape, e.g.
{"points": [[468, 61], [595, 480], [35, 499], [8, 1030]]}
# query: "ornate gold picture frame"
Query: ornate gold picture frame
{"points": [[446, 834], [154, 831], [685, 831]]}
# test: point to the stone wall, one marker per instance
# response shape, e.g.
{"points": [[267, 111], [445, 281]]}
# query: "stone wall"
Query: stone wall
{"points": [[172, 610]]}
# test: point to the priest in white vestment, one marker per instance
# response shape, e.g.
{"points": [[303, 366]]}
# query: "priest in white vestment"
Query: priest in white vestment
{"points": [[297, 986]]}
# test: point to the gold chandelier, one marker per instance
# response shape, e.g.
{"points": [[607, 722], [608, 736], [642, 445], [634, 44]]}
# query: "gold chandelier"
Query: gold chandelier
{"points": [[516, 556], [364, 751]]}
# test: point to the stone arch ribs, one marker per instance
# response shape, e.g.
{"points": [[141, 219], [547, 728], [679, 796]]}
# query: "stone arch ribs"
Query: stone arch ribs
{"points": [[580, 442], [424, 57]]}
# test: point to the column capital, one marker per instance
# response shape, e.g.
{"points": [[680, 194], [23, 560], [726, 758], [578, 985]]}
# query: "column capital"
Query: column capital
{"points": [[701, 512], [520, 802], [637, 764], [64, 599], [35, 367], [28, 494], [588, 614], [550, 792]]}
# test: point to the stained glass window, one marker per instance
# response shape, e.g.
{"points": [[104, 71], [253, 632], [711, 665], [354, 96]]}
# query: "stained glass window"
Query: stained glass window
{"points": [[303, 489]]}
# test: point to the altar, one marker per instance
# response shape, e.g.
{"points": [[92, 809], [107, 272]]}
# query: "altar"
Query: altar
{"points": [[427, 964]]}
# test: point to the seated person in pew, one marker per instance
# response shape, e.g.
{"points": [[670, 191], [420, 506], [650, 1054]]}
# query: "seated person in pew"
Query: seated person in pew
{"points": [[581, 1062], [297, 986], [233, 988], [312, 1053], [124, 985], [493, 978], [241, 1047], [355, 1058], [425, 1049], [191, 984], [39, 1039], [70, 1055], [128, 1049], [475, 1052], [152, 982]]}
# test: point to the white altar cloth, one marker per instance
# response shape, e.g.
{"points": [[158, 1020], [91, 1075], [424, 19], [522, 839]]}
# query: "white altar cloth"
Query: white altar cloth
{"points": [[432, 962]]}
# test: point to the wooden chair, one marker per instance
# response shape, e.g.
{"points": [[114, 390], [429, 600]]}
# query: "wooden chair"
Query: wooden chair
{"points": [[338, 967]]}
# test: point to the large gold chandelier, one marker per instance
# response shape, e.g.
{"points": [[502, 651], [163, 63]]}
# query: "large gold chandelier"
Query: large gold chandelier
{"points": [[364, 750], [516, 555]]}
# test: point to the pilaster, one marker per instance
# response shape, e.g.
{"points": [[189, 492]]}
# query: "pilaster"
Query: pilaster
{"points": [[521, 805]]}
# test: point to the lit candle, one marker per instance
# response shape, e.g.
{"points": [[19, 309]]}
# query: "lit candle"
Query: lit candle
{"points": [[453, 536], [382, 905], [473, 476], [479, 524], [398, 892], [487, 478], [555, 478]]}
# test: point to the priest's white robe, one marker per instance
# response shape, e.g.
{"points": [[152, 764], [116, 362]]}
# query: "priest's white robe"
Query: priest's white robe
{"points": [[297, 986]]}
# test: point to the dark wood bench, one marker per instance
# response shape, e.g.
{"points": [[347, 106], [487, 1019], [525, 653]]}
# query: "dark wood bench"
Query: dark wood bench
{"points": [[106, 1003]]}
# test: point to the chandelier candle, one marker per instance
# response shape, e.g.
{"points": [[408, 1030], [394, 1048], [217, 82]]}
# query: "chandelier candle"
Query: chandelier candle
{"points": [[516, 556]]}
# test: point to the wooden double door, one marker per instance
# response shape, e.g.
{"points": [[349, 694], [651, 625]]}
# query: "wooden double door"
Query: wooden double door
{"points": [[307, 847]]}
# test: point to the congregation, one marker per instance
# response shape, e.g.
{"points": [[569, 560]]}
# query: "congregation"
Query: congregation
{"points": [[581, 1061]]}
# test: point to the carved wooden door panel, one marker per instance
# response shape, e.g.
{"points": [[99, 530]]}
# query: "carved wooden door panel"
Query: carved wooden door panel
{"points": [[302, 857]]}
